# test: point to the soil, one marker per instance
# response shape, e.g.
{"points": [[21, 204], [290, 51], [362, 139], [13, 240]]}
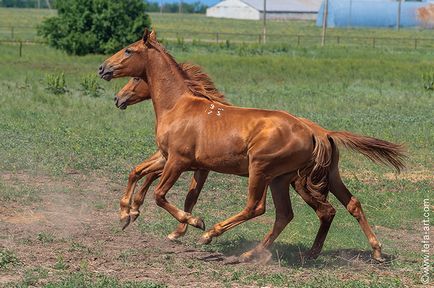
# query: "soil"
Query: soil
{"points": [[78, 230]]}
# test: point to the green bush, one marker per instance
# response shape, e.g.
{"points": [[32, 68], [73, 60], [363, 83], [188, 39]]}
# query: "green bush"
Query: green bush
{"points": [[90, 85], [428, 80], [95, 26], [56, 83]]}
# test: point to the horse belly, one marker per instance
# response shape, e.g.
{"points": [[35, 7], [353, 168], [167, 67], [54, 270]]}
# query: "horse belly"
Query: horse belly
{"points": [[223, 159]]}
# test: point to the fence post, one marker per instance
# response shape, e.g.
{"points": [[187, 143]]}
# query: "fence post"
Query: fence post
{"points": [[21, 48], [415, 43], [259, 38], [373, 42], [12, 32], [298, 40], [338, 40], [217, 37]]}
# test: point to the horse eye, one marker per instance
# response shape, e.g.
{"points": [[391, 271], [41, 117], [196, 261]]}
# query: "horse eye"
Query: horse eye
{"points": [[136, 79], [127, 52]]}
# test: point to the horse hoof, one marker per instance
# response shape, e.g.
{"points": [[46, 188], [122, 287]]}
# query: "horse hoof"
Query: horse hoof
{"points": [[134, 216], [125, 222], [379, 259], [173, 236], [254, 256], [311, 255], [204, 240], [198, 223]]}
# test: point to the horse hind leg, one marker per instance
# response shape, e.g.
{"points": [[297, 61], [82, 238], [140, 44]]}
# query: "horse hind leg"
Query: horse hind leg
{"points": [[323, 209], [282, 202], [353, 206]]}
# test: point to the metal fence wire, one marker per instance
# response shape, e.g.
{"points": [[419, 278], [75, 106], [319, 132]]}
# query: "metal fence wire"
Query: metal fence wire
{"points": [[26, 35]]}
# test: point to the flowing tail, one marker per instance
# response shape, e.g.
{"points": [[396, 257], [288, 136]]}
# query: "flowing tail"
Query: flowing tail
{"points": [[377, 150]]}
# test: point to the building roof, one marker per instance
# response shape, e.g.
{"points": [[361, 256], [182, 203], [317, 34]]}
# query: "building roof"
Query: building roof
{"points": [[285, 5]]}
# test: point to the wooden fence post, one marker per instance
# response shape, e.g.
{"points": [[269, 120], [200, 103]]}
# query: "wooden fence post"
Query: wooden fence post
{"points": [[259, 38], [415, 43], [298, 40], [373, 42], [338, 40], [217, 37], [21, 48], [12, 32]]}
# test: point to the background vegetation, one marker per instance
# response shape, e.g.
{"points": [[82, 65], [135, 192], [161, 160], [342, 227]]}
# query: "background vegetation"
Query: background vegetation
{"points": [[377, 92], [97, 26]]}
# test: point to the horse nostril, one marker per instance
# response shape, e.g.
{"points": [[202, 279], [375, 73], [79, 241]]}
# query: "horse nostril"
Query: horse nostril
{"points": [[100, 68]]}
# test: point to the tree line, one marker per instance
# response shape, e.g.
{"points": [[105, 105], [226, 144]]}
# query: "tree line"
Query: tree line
{"points": [[151, 6]]}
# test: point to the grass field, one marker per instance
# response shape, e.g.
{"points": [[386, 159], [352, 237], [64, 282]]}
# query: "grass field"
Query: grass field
{"points": [[201, 28], [64, 160]]}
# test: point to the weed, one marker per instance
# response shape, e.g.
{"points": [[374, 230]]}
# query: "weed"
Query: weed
{"points": [[56, 84], [76, 246], [32, 276], [45, 237], [81, 279], [7, 259], [91, 85], [60, 264], [428, 80]]}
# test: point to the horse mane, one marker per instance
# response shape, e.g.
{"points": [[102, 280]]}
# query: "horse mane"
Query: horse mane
{"points": [[200, 84], [197, 81]]}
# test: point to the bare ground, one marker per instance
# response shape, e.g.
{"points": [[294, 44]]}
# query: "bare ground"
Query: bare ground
{"points": [[77, 229]]}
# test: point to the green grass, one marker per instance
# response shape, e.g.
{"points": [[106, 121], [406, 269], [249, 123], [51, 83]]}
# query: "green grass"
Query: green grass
{"points": [[83, 280], [377, 92], [7, 259]]}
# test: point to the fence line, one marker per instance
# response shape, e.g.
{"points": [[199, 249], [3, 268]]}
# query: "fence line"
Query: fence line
{"points": [[300, 40]]}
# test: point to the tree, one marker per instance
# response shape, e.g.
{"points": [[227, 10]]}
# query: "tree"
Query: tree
{"points": [[95, 26]]}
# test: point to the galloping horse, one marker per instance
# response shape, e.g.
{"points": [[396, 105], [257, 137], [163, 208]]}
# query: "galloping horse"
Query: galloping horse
{"points": [[270, 147], [135, 91]]}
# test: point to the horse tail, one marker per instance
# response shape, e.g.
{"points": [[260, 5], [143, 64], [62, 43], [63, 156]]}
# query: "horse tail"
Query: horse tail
{"points": [[317, 172], [379, 151]]}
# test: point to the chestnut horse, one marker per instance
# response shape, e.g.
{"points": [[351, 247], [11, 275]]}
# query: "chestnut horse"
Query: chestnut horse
{"points": [[270, 147], [135, 91]]}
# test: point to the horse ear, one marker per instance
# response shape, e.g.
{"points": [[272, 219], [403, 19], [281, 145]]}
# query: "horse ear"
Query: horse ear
{"points": [[146, 35], [153, 35]]}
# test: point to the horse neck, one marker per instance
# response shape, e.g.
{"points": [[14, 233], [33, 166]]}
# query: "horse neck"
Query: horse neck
{"points": [[166, 82]]}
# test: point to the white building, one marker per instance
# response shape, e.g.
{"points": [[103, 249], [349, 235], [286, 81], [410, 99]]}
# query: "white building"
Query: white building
{"points": [[276, 9]]}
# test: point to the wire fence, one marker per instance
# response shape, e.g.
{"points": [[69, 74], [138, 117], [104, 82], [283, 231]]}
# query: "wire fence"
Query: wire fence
{"points": [[26, 35]]}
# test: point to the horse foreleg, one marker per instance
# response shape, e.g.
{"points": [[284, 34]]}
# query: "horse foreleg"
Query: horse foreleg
{"points": [[255, 206], [172, 171], [153, 164], [284, 214], [196, 186], [323, 209], [139, 197]]}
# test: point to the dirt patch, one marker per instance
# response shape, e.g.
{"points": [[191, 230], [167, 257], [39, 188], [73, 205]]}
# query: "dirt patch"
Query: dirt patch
{"points": [[74, 227]]}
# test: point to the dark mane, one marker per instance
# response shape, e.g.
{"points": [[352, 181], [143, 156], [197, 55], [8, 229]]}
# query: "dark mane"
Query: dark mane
{"points": [[197, 81]]}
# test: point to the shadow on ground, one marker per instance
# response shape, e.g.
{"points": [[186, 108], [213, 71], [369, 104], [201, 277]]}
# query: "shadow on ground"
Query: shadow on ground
{"points": [[294, 255]]}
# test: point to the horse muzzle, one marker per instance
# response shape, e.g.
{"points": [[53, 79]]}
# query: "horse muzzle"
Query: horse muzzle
{"points": [[105, 72], [121, 104]]}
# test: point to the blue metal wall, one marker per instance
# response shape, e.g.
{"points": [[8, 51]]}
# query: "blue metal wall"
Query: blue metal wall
{"points": [[370, 13]]}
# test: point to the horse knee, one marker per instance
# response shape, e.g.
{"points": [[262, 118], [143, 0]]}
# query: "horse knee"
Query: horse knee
{"points": [[326, 213], [134, 175], [354, 207]]}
